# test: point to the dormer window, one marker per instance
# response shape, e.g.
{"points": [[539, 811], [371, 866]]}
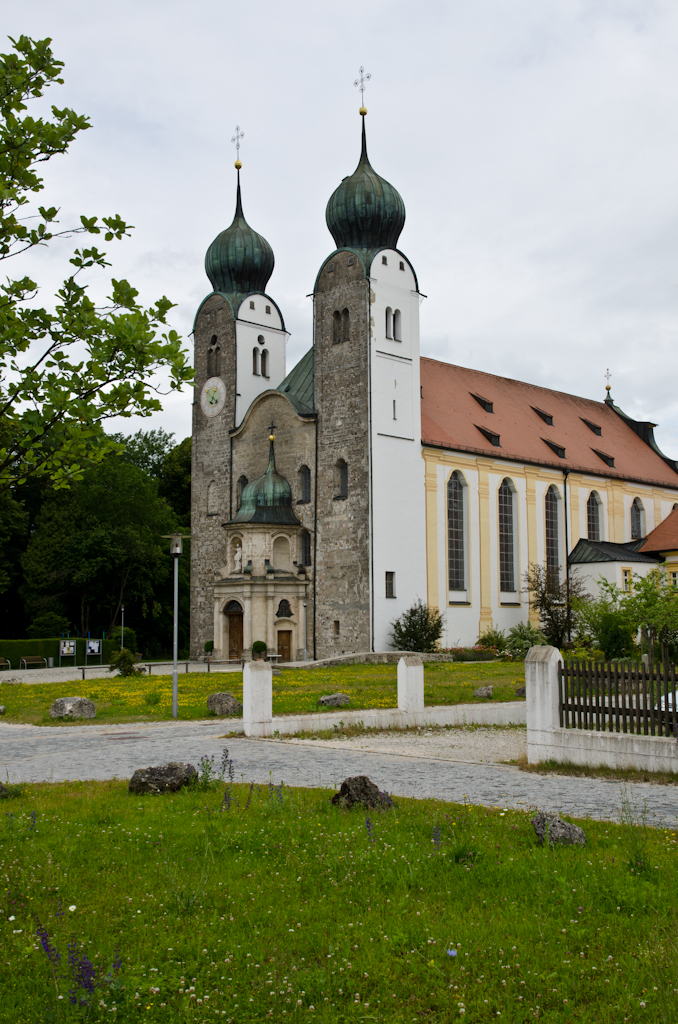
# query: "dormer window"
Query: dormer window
{"points": [[607, 459], [491, 437], [557, 448], [251, 305], [483, 402], [592, 426], [384, 260], [546, 416]]}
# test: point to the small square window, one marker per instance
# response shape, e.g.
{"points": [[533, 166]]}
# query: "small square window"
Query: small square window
{"points": [[402, 265], [330, 268], [390, 584], [351, 261], [251, 305], [268, 309], [337, 628], [674, 579], [384, 260]]}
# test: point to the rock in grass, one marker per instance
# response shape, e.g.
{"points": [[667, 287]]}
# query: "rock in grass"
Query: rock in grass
{"points": [[358, 791], [162, 778], [334, 700], [223, 704], [72, 707], [4, 792], [559, 831], [12, 680], [483, 691], [520, 691], [2, 709]]}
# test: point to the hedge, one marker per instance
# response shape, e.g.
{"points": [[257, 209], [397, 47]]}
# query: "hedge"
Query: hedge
{"points": [[14, 650]]}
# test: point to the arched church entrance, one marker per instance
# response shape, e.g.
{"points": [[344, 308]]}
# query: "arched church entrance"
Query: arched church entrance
{"points": [[233, 613]]}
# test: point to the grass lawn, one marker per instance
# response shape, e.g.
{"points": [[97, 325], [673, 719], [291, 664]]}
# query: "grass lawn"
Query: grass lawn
{"points": [[295, 691], [274, 905]]}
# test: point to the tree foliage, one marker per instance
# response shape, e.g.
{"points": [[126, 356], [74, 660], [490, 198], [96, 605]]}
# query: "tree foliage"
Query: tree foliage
{"points": [[64, 371], [417, 629], [554, 599]]}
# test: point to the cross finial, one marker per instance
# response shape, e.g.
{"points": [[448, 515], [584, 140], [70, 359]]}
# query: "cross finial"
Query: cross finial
{"points": [[236, 138], [271, 435], [608, 375], [360, 84]]}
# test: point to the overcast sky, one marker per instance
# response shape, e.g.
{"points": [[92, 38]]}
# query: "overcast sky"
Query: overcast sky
{"points": [[534, 142]]}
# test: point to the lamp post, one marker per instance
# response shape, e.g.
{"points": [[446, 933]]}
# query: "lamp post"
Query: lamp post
{"points": [[176, 543], [122, 628]]}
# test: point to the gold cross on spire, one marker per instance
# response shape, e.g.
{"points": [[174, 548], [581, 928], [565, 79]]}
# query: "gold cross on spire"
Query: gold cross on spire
{"points": [[236, 138], [271, 435], [360, 84], [608, 375]]}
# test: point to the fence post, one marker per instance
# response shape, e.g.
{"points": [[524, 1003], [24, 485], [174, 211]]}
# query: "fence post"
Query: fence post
{"points": [[411, 685], [257, 699], [541, 697]]}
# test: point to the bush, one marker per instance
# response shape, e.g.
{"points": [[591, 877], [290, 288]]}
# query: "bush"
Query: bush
{"points": [[130, 639], [125, 662], [470, 653], [493, 639], [259, 648], [615, 636], [417, 629], [48, 625], [520, 638], [209, 646]]}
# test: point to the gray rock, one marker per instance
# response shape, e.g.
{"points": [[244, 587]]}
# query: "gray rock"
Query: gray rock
{"points": [[12, 680], [162, 778], [4, 792], [276, 672], [3, 709], [520, 691], [483, 691], [334, 700], [223, 704], [72, 707], [559, 831], [358, 791]]}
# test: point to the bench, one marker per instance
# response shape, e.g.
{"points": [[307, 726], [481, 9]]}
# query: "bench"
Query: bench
{"points": [[32, 660], [5, 663]]}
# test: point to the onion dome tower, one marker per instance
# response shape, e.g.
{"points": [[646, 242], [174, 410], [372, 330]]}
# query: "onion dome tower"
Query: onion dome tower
{"points": [[365, 212], [268, 499], [239, 260]]}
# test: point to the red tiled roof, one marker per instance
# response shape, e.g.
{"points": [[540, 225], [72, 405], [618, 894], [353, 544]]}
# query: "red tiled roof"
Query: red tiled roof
{"points": [[451, 417], [664, 537]]}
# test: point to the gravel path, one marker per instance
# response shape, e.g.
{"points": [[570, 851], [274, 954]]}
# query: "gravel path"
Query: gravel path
{"points": [[478, 745], [33, 754], [70, 673]]}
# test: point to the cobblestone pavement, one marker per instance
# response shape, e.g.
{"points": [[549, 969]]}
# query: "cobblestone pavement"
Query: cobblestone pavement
{"points": [[34, 754]]}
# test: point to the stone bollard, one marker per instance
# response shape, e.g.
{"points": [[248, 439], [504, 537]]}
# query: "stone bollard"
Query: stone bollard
{"points": [[257, 699], [542, 697], [411, 685]]}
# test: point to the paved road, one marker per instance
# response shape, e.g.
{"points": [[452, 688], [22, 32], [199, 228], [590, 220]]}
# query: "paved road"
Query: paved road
{"points": [[34, 754]]}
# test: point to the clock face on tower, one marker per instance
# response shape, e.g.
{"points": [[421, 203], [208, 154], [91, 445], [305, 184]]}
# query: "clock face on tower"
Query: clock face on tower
{"points": [[213, 396]]}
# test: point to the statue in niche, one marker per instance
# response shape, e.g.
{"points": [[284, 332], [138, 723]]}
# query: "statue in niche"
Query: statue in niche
{"points": [[237, 558]]}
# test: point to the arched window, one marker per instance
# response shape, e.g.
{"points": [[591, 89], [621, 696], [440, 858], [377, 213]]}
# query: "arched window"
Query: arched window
{"points": [[637, 519], [336, 327], [284, 610], [261, 340], [212, 498], [305, 546], [593, 530], [232, 608], [305, 484], [214, 358], [552, 530], [345, 325], [281, 553], [264, 362], [397, 325], [255, 362], [242, 484], [389, 322], [507, 561], [340, 479], [456, 553]]}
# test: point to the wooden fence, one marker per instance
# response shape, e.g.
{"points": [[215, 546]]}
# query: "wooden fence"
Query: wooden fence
{"points": [[618, 697]]}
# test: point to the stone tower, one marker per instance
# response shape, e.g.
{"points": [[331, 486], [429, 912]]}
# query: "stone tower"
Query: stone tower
{"points": [[370, 549], [239, 338]]}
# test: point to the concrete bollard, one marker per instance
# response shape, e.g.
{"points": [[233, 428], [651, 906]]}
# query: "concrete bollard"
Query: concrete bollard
{"points": [[542, 697], [411, 685], [257, 699]]}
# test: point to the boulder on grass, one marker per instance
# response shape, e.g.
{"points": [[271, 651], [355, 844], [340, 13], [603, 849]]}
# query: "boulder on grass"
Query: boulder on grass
{"points": [[520, 691], [162, 778], [72, 707], [559, 831], [2, 709], [483, 691], [223, 704], [358, 791], [334, 700], [4, 792]]}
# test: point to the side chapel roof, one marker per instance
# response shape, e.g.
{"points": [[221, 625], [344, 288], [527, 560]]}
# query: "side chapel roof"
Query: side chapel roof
{"points": [[586, 551], [664, 537], [298, 385]]}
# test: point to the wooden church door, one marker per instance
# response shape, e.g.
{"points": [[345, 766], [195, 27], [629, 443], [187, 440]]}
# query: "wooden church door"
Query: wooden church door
{"points": [[285, 644]]}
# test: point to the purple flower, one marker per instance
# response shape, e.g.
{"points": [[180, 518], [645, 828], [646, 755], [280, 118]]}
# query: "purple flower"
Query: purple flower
{"points": [[370, 830], [451, 952], [51, 951]]}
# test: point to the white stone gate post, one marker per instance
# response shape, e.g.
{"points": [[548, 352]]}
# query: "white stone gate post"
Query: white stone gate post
{"points": [[411, 687], [257, 699], [542, 699]]}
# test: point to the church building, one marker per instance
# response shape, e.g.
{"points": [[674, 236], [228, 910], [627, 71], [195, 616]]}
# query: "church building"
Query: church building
{"points": [[327, 500]]}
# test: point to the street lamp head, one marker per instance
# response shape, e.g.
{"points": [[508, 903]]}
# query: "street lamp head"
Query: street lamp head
{"points": [[176, 541]]}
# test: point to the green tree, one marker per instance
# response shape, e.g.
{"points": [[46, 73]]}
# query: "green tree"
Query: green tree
{"points": [[652, 607], [417, 629], [175, 480], [66, 371], [146, 449], [554, 599]]}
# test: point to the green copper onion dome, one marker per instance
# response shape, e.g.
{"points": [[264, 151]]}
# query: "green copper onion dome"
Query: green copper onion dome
{"points": [[268, 499], [365, 212], [239, 260]]}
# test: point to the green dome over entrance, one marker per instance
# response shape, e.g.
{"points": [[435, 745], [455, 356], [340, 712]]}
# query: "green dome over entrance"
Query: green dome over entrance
{"points": [[366, 211], [268, 499], [239, 260]]}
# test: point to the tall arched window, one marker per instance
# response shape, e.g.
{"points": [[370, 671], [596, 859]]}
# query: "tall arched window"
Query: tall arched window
{"points": [[305, 546], [637, 519], [242, 484], [212, 499], [552, 530], [456, 552], [593, 530], [336, 327], [284, 610], [389, 322], [214, 358], [397, 325], [340, 479], [255, 362], [264, 362], [507, 566], [345, 326], [305, 484]]}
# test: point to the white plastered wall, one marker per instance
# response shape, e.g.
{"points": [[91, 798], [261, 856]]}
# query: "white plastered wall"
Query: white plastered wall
{"points": [[460, 621], [250, 326], [398, 505]]}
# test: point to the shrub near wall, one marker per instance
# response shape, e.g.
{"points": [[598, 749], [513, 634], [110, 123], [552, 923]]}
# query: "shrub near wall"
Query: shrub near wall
{"points": [[14, 650]]}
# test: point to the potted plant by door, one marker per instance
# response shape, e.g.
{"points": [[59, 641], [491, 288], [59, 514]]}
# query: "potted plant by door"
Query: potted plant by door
{"points": [[259, 649]]}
